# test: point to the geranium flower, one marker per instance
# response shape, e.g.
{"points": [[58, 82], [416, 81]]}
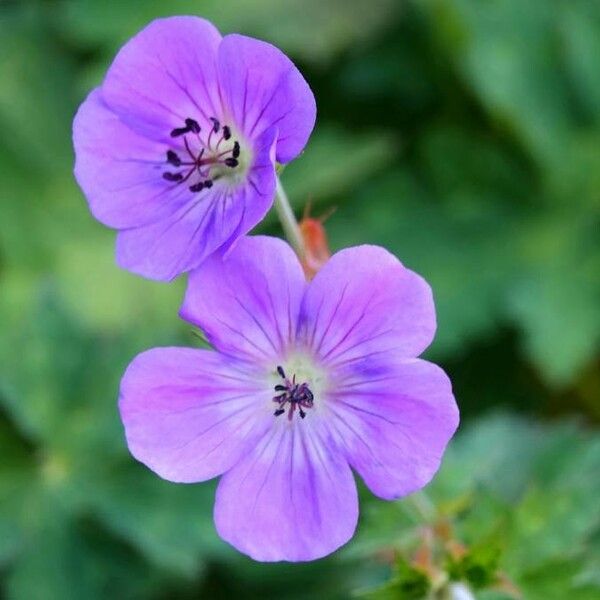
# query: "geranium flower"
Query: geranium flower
{"points": [[308, 381], [177, 148]]}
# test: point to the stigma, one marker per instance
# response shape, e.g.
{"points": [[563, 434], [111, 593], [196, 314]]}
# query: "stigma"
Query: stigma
{"points": [[203, 158], [292, 396]]}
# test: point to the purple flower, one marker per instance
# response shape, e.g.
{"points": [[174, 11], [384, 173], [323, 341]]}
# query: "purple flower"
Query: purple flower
{"points": [[309, 381], [177, 148]]}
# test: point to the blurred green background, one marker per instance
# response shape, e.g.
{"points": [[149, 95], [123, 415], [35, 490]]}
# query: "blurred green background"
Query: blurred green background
{"points": [[462, 134]]}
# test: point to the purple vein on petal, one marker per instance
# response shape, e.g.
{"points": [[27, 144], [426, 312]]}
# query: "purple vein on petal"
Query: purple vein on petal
{"points": [[258, 323], [357, 344], [243, 125], [351, 328], [200, 407], [341, 420], [242, 335], [363, 410], [317, 345], [266, 105], [269, 469], [185, 90], [178, 449]]}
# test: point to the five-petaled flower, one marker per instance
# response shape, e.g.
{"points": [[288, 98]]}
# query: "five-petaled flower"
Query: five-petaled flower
{"points": [[308, 381], [177, 148]]}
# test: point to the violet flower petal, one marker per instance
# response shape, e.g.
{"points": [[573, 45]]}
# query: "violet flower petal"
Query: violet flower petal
{"points": [[263, 88], [395, 417], [118, 168], [165, 74], [247, 304], [293, 498], [365, 300], [190, 414]]}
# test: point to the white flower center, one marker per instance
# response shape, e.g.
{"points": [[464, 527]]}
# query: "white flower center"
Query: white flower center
{"points": [[300, 386]]}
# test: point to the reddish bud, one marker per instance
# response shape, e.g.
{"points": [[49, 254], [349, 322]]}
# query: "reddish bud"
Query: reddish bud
{"points": [[316, 247]]}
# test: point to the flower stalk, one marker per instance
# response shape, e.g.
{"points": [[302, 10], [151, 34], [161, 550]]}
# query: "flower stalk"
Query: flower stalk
{"points": [[423, 506], [288, 221]]}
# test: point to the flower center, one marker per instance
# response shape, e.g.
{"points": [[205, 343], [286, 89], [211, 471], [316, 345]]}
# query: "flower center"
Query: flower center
{"points": [[203, 159], [292, 396]]}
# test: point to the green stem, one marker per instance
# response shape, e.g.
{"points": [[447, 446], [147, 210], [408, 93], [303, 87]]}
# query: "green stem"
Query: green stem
{"points": [[288, 220], [420, 508], [423, 506]]}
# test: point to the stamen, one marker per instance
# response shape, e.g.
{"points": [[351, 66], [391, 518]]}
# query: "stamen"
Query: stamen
{"points": [[200, 161], [192, 125], [297, 395], [173, 159], [172, 176], [178, 131], [189, 150]]}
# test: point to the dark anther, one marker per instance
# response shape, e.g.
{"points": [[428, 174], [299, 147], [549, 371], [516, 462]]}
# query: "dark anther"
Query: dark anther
{"points": [[193, 162], [281, 371], [179, 131], [192, 125], [280, 388], [173, 159], [172, 176], [279, 411], [302, 413], [197, 187]]}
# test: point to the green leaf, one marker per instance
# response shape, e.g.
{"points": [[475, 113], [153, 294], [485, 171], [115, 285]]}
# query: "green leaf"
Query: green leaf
{"points": [[466, 169], [312, 30], [17, 473], [35, 77], [556, 298], [558, 581], [408, 583], [507, 51], [71, 561], [478, 566], [483, 459], [579, 27], [170, 524]]}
